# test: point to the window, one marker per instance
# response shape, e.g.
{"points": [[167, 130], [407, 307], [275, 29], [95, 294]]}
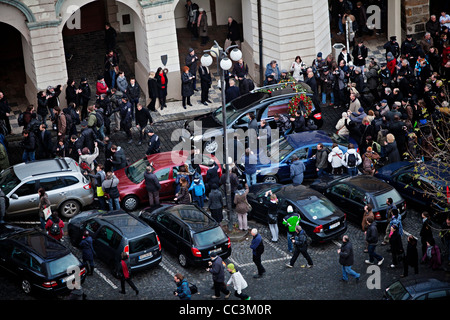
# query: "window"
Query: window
{"points": [[92, 226], [35, 265], [50, 184], [405, 178], [438, 295], [70, 180], [163, 174], [28, 188], [109, 237], [341, 190], [20, 256], [169, 223], [144, 243], [358, 196], [280, 106]]}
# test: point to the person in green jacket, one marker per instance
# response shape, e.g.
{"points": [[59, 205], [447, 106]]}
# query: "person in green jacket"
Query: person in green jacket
{"points": [[291, 220]]}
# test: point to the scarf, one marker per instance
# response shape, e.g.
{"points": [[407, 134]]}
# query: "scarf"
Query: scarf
{"points": [[199, 19], [126, 273]]}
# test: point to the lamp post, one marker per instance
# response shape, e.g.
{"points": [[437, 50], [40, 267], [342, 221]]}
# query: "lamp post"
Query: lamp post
{"points": [[224, 63]]}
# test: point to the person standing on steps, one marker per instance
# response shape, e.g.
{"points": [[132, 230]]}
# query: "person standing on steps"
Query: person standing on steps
{"points": [[187, 90], [162, 82], [123, 270]]}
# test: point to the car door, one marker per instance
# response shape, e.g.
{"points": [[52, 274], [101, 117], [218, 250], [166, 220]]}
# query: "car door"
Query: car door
{"points": [[56, 190], [106, 244], [406, 185], [24, 199], [167, 183], [339, 194], [357, 202]]}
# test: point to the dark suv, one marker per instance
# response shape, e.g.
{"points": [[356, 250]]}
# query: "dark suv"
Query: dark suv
{"points": [[189, 232], [40, 262], [115, 232], [263, 102]]}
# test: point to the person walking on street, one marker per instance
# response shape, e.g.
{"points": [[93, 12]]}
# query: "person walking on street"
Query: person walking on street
{"points": [[372, 240], [123, 270], [346, 259], [183, 292], [271, 202], [351, 160], [395, 241], [412, 257], [54, 226], [297, 169], [425, 232], [217, 270], [321, 161], [44, 203], [368, 213], [238, 282], [257, 246], [88, 253], [390, 207], [242, 207], [143, 118], [111, 192], [300, 242], [291, 221], [215, 203], [153, 186]]}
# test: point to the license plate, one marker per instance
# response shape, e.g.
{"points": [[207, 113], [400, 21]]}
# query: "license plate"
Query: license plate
{"points": [[145, 256], [215, 251], [335, 225]]}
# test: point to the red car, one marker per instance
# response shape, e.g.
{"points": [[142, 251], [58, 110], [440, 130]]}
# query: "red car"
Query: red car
{"points": [[166, 164]]}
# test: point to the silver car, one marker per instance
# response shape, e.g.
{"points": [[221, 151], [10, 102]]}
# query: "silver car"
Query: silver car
{"points": [[67, 188]]}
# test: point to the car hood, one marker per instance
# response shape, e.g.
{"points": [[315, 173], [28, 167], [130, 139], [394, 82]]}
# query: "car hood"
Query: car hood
{"points": [[385, 172], [206, 121], [83, 216]]}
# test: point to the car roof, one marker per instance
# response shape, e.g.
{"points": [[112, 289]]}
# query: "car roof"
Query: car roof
{"points": [[129, 225], [423, 285], [44, 167], [40, 244], [367, 183], [300, 139], [294, 193], [192, 216]]}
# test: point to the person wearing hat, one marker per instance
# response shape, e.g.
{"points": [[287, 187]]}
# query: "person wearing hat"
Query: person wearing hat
{"points": [[291, 221], [87, 252], [272, 71], [85, 96], [154, 142], [238, 282], [191, 62], [217, 271], [370, 157], [393, 47], [407, 46]]}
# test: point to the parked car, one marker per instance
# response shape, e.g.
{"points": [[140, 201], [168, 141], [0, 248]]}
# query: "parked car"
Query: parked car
{"points": [[418, 289], [274, 166], [166, 165], [422, 185], [189, 232], [67, 188], [321, 219], [40, 263], [263, 102], [351, 194], [115, 232]]}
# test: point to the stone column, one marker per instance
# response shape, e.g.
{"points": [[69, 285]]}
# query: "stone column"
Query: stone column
{"points": [[415, 14], [394, 11]]}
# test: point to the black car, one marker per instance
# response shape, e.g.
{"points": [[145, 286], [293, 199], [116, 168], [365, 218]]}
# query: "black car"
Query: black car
{"points": [[41, 263], [321, 220], [189, 232], [418, 289], [115, 232], [352, 194], [264, 103]]}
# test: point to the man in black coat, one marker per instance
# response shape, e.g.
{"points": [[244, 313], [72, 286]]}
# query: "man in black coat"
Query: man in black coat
{"points": [[85, 96], [45, 143], [205, 82], [118, 159], [87, 137], [393, 47], [433, 27], [143, 118], [73, 147], [232, 92], [152, 91], [346, 259], [426, 232], [5, 111], [153, 186], [154, 143], [191, 61], [110, 37], [360, 53], [212, 176], [233, 34], [133, 92]]}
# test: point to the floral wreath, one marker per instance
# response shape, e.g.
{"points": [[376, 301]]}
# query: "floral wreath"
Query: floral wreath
{"points": [[303, 102]]}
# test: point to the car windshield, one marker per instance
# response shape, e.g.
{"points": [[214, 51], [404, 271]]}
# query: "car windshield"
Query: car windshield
{"points": [[209, 237], [232, 114], [135, 172], [316, 208], [8, 180], [62, 265], [143, 243], [284, 149], [380, 199], [397, 291]]}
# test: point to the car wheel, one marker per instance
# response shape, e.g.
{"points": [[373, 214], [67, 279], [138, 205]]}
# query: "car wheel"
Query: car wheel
{"points": [[211, 146], [130, 203], [26, 286], [270, 179], [182, 260], [69, 209]]}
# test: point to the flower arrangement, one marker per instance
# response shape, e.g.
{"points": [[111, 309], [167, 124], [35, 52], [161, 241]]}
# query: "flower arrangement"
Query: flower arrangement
{"points": [[303, 102]]}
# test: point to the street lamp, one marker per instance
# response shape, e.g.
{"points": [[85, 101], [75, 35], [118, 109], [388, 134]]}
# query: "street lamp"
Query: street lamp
{"points": [[224, 63]]}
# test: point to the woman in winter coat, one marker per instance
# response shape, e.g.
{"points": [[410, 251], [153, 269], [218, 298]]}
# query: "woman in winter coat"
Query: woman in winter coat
{"points": [[335, 158], [391, 150], [432, 255], [342, 130], [187, 90], [43, 204], [240, 200], [215, 203], [411, 258], [183, 196], [395, 241], [202, 24], [271, 202], [238, 282], [162, 82]]}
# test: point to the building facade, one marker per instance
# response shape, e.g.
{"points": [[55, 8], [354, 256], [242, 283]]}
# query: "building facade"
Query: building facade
{"points": [[272, 30]]}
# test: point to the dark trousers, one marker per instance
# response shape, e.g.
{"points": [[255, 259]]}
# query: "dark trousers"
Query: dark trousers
{"points": [[205, 90], [217, 214], [406, 266], [257, 262], [186, 99], [305, 254], [130, 282], [151, 105], [241, 296], [220, 287], [153, 198]]}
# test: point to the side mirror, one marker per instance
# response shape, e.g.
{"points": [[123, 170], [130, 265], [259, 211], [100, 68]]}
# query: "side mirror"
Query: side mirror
{"points": [[14, 196]]}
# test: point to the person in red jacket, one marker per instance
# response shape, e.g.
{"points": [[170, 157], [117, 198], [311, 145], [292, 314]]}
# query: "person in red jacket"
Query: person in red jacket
{"points": [[102, 87], [54, 226]]}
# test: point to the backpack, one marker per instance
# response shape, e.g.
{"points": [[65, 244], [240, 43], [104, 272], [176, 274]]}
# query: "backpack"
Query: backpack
{"points": [[351, 160], [55, 229], [69, 120], [20, 120], [368, 163], [34, 125], [100, 121]]}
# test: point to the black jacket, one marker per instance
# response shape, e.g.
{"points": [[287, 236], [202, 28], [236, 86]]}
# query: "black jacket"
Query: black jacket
{"points": [[234, 32], [29, 143], [143, 117], [4, 108], [372, 234], [272, 211], [152, 88], [119, 160], [151, 182], [346, 257], [153, 145], [87, 139], [134, 92], [212, 176], [395, 242]]}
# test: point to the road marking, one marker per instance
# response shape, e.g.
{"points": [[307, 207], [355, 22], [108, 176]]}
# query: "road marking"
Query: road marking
{"points": [[263, 262], [276, 248], [167, 269], [105, 278], [336, 243]]}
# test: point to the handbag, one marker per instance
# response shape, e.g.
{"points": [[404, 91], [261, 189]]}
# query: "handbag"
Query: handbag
{"points": [[193, 288], [106, 195], [47, 212]]}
